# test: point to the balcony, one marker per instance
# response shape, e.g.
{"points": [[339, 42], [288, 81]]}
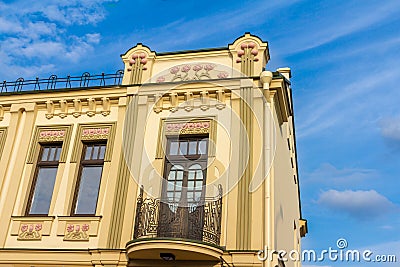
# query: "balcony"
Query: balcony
{"points": [[189, 232]]}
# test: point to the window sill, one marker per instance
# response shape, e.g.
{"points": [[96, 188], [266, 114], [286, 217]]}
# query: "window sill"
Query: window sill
{"points": [[33, 217]]}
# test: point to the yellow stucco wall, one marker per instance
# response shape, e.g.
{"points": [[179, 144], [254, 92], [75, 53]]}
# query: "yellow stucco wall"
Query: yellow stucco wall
{"points": [[250, 220]]}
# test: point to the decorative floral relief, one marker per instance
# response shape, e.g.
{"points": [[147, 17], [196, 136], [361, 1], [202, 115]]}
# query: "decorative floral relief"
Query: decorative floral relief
{"points": [[191, 72], [248, 50], [137, 60], [30, 232], [77, 232], [95, 133], [52, 135], [188, 127]]}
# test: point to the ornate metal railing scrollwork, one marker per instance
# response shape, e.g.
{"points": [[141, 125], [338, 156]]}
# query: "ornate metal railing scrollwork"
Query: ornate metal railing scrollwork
{"points": [[156, 218]]}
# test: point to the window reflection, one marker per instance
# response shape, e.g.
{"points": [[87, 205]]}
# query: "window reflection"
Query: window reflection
{"points": [[88, 184], [43, 183]]}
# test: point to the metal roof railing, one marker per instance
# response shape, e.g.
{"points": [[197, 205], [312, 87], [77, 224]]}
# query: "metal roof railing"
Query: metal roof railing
{"points": [[55, 83]]}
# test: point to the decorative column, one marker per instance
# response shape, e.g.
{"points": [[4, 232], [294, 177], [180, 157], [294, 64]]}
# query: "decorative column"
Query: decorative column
{"points": [[246, 164], [123, 176]]}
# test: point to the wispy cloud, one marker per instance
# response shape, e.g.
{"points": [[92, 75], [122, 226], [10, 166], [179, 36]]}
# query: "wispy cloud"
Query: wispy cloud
{"points": [[390, 128], [357, 204], [188, 31], [327, 174], [328, 27], [67, 12], [339, 101], [390, 131]]}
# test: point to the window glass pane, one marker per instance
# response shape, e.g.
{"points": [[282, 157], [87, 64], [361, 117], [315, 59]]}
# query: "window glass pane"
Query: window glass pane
{"points": [[173, 148], [203, 147], [170, 196], [192, 147], [52, 154], [95, 152], [195, 167], [43, 190], [190, 185], [179, 175], [199, 174], [191, 175], [88, 153], [58, 152], [177, 167], [199, 184], [183, 146], [102, 151], [88, 190], [45, 153], [171, 176], [197, 195], [171, 186]]}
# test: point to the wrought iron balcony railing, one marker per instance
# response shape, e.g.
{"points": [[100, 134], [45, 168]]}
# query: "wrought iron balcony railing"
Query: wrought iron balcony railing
{"points": [[56, 83], [198, 221]]}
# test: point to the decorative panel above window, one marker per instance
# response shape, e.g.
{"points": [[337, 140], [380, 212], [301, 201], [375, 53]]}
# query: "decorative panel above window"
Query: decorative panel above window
{"points": [[93, 133], [48, 135], [187, 127]]}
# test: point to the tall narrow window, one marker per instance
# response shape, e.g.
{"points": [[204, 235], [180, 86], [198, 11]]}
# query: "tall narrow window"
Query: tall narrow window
{"points": [[184, 187], [88, 183], [186, 165], [43, 183]]}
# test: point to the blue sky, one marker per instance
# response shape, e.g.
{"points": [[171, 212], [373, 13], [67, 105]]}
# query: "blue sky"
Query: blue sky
{"points": [[345, 60]]}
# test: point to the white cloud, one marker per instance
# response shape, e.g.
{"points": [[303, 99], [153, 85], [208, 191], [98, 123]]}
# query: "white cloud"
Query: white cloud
{"points": [[330, 175], [38, 34], [69, 12], [7, 26], [358, 204], [390, 128], [42, 49], [75, 13], [93, 38], [387, 227]]}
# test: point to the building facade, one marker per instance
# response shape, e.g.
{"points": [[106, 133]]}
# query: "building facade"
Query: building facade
{"points": [[182, 159]]}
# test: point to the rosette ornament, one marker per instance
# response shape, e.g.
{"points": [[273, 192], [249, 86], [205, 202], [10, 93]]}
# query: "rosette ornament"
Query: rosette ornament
{"points": [[247, 55], [137, 64]]}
